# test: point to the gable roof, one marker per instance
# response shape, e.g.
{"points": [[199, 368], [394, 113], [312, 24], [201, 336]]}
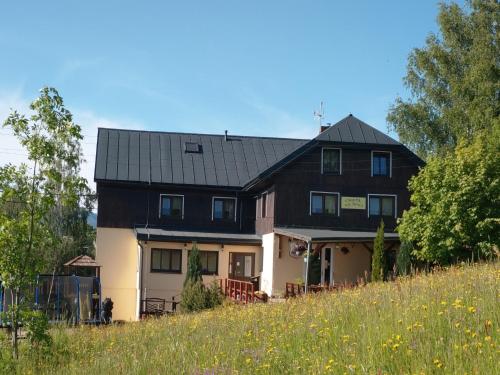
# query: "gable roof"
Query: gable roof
{"points": [[219, 161], [352, 130], [170, 158]]}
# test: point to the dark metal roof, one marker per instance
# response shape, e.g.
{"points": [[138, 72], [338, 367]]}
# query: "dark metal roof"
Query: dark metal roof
{"points": [[211, 160], [161, 157], [155, 234], [353, 130], [323, 235]]}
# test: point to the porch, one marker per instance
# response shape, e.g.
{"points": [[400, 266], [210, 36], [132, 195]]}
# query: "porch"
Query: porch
{"points": [[302, 260]]}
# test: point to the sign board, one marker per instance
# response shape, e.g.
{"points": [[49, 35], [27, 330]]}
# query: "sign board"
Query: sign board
{"points": [[353, 203]]}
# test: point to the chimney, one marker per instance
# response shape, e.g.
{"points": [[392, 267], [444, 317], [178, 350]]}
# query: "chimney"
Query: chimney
{"points": [[225, 135], [322, 128]]}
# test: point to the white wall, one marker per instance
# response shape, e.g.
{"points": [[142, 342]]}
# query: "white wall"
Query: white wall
{"points": [[268, 250]]}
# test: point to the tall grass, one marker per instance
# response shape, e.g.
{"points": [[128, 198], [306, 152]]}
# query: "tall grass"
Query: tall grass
{"points": [[445, 322]]}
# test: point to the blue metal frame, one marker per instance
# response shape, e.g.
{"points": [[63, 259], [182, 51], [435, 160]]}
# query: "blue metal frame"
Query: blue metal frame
{"points": [[77, 299]]}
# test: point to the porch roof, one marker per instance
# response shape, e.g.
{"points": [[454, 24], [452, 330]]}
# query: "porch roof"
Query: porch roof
{"points": [[156, 234], [327, 235]]}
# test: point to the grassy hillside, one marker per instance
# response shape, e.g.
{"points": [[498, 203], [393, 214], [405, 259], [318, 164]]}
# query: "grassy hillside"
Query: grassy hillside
{"points": [[447, 322]]}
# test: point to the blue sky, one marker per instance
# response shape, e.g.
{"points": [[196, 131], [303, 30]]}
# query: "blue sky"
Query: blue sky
{"points": [[252, 67]]}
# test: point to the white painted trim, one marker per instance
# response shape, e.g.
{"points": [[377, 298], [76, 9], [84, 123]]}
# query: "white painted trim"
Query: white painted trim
{"points": [[331, 148], [390, 161], [171, 195], [235, 205], [384, 195], [324, 192]]}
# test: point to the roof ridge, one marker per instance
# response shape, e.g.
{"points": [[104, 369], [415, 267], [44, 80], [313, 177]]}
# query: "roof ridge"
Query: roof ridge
{"points": [[204, 134]]}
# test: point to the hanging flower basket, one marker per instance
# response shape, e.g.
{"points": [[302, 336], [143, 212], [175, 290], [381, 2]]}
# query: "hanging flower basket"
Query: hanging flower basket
{"points": [[297, 249]]}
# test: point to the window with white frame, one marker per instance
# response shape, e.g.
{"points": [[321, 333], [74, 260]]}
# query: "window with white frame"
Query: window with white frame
{"points": [[331, 160], [381, 205], [381, 163], [223, 208], [172, 206], [324, 203]]}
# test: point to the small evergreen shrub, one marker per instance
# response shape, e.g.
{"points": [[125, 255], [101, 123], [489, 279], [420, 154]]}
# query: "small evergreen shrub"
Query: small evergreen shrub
{"points": [[194, 268], [378, 259], [193, 297]]}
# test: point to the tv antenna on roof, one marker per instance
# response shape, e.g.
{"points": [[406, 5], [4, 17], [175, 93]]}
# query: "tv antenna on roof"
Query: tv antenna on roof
{"points": [[319, 114]]}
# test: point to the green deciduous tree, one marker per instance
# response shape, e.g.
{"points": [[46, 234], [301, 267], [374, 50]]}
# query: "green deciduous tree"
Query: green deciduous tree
{"points": [[378, 257], [453, 80], [30, 197], [455, 211]]}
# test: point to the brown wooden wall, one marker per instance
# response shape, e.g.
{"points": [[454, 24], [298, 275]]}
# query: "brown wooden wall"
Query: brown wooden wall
{"points": [[124, 206], [294, 183], [265, 224]]}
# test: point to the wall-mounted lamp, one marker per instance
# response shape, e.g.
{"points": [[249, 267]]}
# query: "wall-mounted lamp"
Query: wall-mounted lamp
{"points": [[221, 247]]}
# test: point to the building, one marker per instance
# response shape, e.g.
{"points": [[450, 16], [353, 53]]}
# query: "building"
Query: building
{"points": [[248, 202]]}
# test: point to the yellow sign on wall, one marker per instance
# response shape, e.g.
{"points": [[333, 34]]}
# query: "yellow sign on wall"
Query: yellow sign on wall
{"points": [[353, 203]]}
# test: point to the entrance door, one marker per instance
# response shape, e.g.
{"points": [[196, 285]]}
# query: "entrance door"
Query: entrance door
{"points": [[241, 266], [326, 266]]}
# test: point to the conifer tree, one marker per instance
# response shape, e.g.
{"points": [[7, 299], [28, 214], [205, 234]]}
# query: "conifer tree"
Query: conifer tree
{"points": [[378, 261]]}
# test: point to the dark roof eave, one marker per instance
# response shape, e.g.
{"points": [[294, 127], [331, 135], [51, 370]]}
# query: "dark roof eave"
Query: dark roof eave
{"points": [[226, 241], [289, 232]]}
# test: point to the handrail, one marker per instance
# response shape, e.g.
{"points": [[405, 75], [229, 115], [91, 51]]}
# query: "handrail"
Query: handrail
{"points": [[238, 290]]}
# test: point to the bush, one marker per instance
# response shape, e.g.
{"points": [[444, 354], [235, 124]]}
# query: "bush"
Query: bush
{"points": [[196, 296], [193, 297], [403, 260], [214, 295]]}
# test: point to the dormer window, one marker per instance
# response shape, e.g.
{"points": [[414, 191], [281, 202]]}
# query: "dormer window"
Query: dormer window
{"points": [[382, 163], [331, 161], [172, 206]]}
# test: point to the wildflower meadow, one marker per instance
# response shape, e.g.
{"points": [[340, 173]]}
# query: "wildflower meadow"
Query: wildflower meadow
{"points": [[443, 322]]}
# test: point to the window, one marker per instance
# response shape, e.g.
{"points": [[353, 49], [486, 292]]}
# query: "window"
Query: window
{"points": [[209, 262], [324, 203], [381, 205], [192, 147], [224, 208], [331, 161], [381, 163], [263, 205], [166, 260], [172, 206]]}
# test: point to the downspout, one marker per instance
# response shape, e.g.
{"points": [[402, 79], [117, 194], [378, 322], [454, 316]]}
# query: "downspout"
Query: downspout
{"points": [[141, 282], [307, 265]]}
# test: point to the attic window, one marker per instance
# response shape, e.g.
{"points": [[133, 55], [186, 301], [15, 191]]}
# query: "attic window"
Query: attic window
{"points": [[192, 147]]}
